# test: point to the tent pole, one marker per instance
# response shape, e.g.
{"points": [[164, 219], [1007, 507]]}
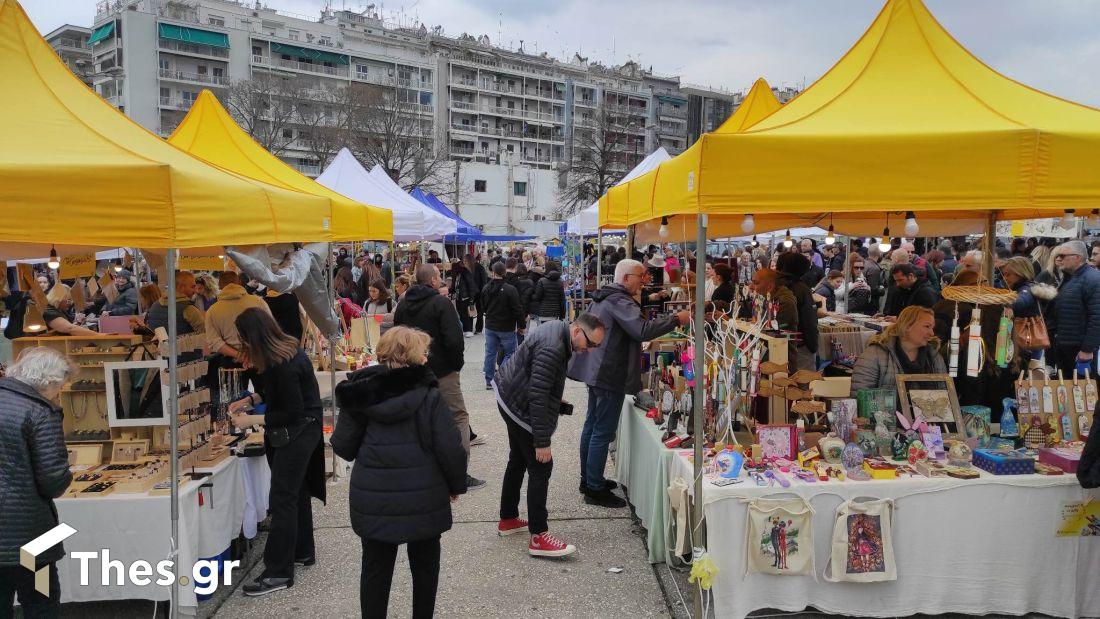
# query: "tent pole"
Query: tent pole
{"points": [[173, 430], [697, 394], [630, 241], [393, 262], [847, 273], [990, 244], [330, 290], [599, 257]]}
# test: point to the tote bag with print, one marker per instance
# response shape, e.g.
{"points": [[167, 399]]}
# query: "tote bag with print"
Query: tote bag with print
{"points": [[863, 546], [780, 537]]}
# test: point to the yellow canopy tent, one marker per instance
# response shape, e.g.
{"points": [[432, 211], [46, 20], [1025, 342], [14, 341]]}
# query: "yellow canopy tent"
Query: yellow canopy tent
{"points": [[758, 104], [907, 120], [210, 133], [74, 171]]}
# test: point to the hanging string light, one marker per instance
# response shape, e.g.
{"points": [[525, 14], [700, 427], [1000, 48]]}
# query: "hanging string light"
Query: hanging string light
{"points": [[884, 242], [788, 241], [663, 231], [830, 237], [911, 227], [118, 262], [755, 243], [748, 224], [1068, 219], [53, 262]]}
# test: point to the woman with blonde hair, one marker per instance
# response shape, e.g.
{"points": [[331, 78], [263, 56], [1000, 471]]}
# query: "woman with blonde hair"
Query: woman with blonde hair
{"points": [[59, 315], [908, 346], [409, 467], [206, 291]]}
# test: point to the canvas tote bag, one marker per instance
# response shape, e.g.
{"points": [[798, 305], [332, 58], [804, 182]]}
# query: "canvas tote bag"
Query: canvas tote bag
{"points": [[779, 537], [863, 544]]}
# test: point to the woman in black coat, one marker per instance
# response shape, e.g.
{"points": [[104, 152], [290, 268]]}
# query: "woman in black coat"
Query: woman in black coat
{"points": [[409, 468], [465, 292], [286, 383], [548, 299]]}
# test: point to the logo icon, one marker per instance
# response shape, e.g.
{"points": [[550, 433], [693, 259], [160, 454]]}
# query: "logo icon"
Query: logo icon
{"points": [[29, 552]]}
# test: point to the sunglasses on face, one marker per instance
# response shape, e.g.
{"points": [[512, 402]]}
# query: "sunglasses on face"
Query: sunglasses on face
{"points": [[588, 340]]}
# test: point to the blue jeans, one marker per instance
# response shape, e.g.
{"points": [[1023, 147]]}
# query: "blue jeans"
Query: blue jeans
{"points": [[494, 340], [600, 424]]}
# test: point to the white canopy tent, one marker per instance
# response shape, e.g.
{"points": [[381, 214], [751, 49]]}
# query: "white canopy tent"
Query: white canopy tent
{"points": [[412, 221], [586, 221]]}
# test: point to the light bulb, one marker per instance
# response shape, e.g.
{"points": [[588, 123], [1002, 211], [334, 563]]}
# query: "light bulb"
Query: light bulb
{"points": [[755, 243], [53, 262], [884, 243], [911, 227], [1068, 219], [663, 231], [788, 241], [118, 265], [748, 224], [830, 238]]}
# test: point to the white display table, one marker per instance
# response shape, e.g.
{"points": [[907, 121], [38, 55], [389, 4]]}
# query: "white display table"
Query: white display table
{"points": [[137, 527], [963, 546]]}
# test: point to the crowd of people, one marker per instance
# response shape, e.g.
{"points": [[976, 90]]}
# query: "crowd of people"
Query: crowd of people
{"points": [[404, 422]]}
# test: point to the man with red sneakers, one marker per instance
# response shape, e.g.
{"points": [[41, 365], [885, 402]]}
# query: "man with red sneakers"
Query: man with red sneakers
{"points": [[528, 390]]}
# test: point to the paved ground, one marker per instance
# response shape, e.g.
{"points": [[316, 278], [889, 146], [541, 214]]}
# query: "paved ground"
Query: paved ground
{"points": [[482, 574]]}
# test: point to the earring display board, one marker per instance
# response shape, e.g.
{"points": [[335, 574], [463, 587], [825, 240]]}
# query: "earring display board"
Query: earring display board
{"points": [[1052, 411]]}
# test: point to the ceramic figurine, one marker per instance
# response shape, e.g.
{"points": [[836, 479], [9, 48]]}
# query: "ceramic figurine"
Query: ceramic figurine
{"points": [[832, 449], [1008, 422]]}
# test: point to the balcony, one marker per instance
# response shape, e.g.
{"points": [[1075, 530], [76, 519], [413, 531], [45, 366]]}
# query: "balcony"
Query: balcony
{"points": [[193, 48], [183, 76], [552, 95], [462, 151], [74, 44], [464, 81], [500, 87], [634, 110], [294, 65], [465, 128], [584, 102], [672, 112], [307, 169], [463, 105], [173, 103]]}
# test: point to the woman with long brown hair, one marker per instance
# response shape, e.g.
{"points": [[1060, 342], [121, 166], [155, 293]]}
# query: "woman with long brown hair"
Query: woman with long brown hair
{"points": [[287, 386]]}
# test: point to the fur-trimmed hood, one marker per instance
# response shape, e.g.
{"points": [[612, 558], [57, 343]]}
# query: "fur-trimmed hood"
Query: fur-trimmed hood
{"points": [[1045, 292], [385, 395]]}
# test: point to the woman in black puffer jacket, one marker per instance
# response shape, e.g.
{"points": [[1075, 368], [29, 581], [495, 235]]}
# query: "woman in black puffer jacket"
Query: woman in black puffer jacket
{"points": [[409, 467], [548, 300]]}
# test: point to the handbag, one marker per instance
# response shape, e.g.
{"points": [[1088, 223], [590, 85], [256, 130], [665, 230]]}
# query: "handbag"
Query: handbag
{"points": [[779, 537], [1030, 333], [863, 543]]}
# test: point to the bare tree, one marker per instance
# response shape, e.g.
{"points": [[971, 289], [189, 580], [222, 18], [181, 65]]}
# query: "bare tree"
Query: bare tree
{"points": [[386, 131], [327, 118], [266, 106], [601, 151]]}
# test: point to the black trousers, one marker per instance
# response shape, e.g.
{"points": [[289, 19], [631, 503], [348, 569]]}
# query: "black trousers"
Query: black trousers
{"points": [[291, 533], [521, 459], [377, 576], [16, 580]]}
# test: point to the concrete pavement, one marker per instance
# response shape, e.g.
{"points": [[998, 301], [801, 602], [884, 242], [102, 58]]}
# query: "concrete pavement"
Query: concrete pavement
{"points": [[484, 575]]}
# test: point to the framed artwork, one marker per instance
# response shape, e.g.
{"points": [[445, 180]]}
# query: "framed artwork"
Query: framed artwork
{"points": [[778, 441], [931, 397]]}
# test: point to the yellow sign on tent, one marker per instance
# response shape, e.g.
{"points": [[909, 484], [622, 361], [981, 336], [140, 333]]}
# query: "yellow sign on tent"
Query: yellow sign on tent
{"points": [[907, 120], [210, 133], [74, 171]]}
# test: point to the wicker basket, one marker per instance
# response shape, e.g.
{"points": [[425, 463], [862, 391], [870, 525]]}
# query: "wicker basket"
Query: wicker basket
{"points": [[979, 295]]}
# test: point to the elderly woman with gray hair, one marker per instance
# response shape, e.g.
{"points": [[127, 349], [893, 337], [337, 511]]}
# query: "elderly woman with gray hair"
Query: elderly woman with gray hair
{"points": [[35, 465]]}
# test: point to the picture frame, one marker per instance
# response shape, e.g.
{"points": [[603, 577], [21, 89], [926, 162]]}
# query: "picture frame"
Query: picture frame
{"points": [[132, 398], [936, 401], [777, 441]]}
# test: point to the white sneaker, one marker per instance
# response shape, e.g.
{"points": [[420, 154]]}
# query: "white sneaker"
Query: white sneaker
{"points": [[469, 334]]}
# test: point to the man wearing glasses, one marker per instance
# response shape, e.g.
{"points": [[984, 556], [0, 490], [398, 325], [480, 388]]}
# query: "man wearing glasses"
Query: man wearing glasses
{"points": [[1077, 319], [612, 371]]}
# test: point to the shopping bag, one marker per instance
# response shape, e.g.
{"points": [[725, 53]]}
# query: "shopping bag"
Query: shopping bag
{"points": [[779, 537], [863, 547]]}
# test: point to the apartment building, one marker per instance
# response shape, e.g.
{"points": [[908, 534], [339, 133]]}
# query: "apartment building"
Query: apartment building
{"points": [[71, 44], [509, 121]]}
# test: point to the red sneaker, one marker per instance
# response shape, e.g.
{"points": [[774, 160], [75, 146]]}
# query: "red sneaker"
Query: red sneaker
{"points": [[546, 545], [510, 526]]}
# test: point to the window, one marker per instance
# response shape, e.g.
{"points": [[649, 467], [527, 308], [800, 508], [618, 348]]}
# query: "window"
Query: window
{"points": [[520, 188], [425, 98], [287, 134], [215, 20], [293, 34], [164, 64], [219, 72], [201, 70], [479, 186], [165, 93], [256, 51]]}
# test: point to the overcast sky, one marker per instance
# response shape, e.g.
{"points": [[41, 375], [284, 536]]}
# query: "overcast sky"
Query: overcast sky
{"points": [[1052, 45]]}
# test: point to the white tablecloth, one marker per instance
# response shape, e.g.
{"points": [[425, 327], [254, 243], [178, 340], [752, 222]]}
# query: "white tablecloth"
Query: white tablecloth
{"points": [[962, 546], [137, 527]]}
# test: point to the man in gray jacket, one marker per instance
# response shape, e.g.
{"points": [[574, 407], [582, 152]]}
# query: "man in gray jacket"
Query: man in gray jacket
{"points": [[612, 371], [529, 387], [35, 471]]}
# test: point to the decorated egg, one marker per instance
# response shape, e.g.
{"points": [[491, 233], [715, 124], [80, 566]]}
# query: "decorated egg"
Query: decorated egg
{"points": [[729, 463], [916, 452], [832, 448], [852, 457], [960, 454]]}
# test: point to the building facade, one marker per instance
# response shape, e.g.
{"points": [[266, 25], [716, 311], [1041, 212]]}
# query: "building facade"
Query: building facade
{"points": [[508, 122]]}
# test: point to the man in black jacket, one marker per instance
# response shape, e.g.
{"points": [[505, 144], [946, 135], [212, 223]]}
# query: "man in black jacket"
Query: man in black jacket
{"points": [[516, 274], [503, 316], [425, 309], [909, 289], [36, 471], [529, 388], [481, 277]]}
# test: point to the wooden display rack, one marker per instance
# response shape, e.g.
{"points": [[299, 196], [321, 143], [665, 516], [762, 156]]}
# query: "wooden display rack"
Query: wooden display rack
{"points": [[775, 348]]}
